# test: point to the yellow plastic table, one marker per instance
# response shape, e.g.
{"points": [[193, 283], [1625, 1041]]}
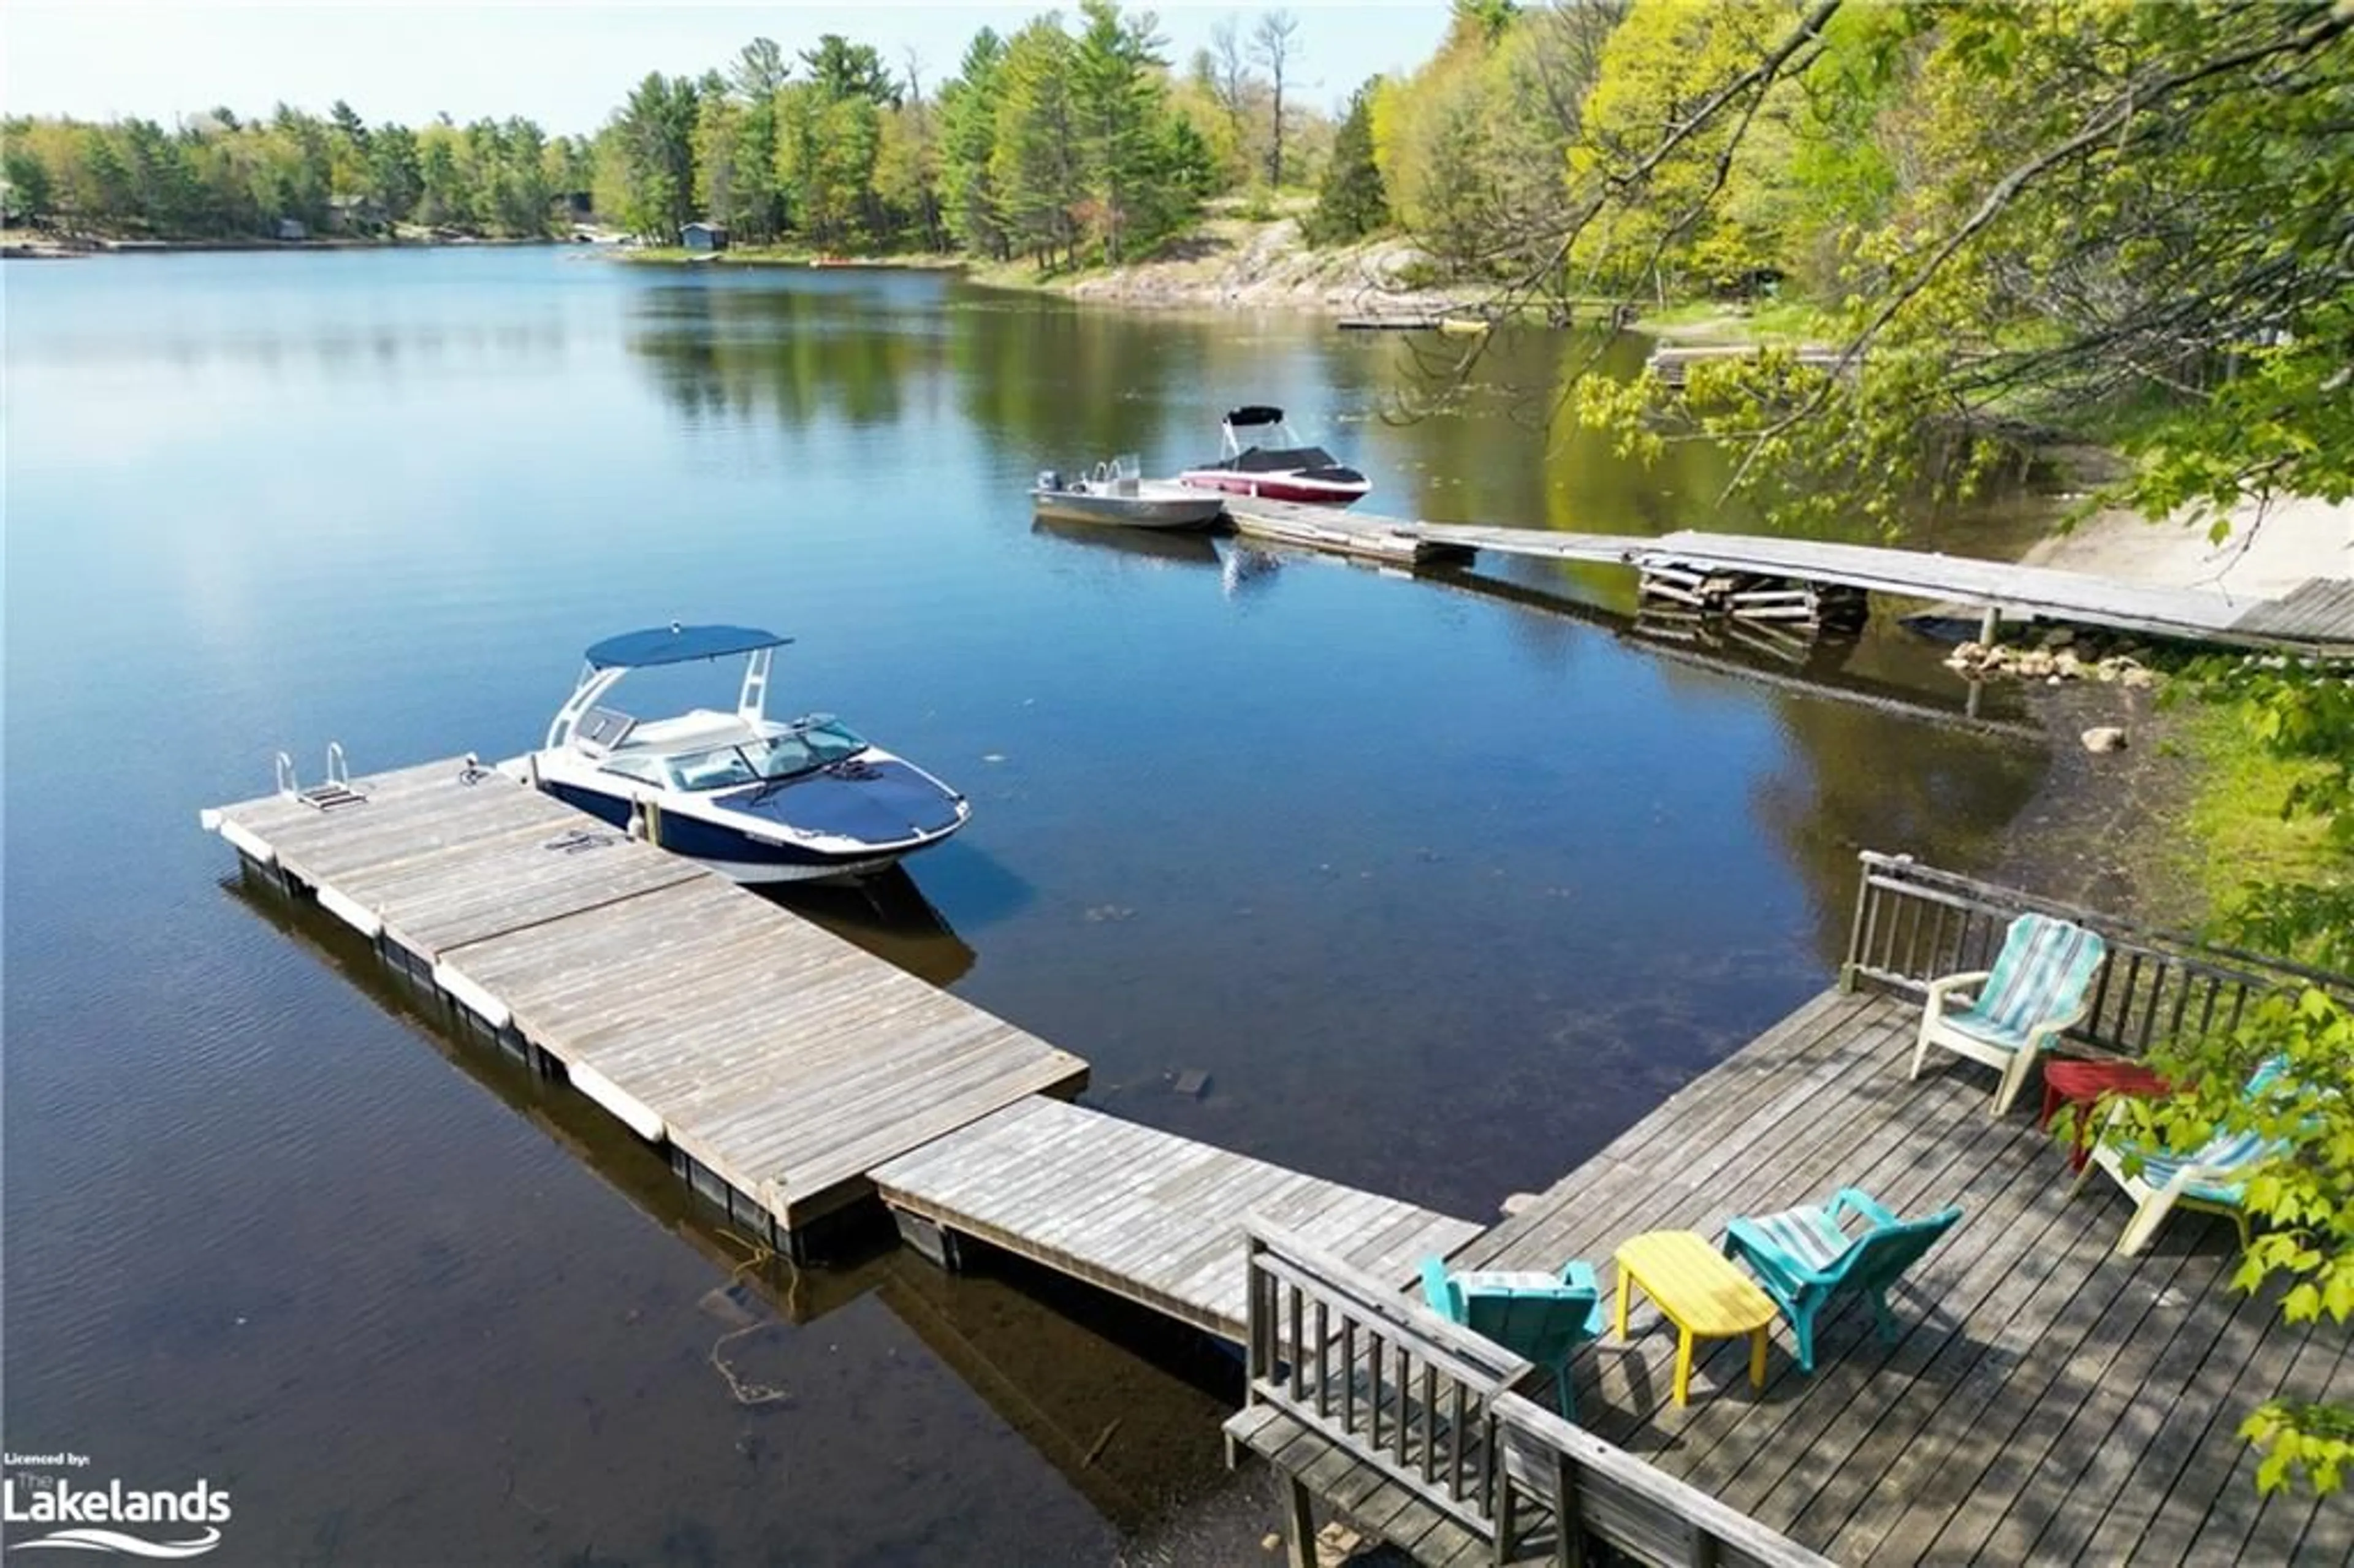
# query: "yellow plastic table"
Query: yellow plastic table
{"points": [[1701, 1292]]}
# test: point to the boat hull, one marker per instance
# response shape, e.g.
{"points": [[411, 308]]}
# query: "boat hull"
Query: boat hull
{"points": [[1279, 486], [1195, 509], [742, 853]]}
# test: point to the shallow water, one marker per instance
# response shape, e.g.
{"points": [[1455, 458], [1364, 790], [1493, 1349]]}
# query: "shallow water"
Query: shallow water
{"points": [[1442, 882]]}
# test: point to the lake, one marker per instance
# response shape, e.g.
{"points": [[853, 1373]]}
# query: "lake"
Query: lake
{"points": [[1441, 882]]}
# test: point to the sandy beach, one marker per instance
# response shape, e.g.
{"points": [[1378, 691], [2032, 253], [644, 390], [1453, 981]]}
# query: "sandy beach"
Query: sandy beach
{"points": [[2272, 547]]}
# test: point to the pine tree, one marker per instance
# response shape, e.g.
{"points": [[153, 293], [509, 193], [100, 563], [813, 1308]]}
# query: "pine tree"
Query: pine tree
{"points": [[1353, 202]]}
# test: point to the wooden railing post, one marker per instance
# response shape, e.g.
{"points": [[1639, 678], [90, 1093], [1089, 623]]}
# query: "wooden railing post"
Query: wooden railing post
{"points": [[1855, 926], [1569, 1533], [1254, 1315]]}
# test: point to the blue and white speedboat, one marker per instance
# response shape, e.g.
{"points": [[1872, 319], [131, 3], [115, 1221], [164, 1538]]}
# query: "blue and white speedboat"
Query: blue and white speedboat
{"points": [[755, 799]]}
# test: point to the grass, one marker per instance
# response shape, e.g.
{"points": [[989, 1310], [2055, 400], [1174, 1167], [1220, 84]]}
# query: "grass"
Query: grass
{"points": [[2235, 834]]}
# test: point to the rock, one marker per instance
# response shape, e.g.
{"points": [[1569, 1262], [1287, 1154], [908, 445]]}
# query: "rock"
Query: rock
{"points": [[2104, 737], [1336, 1543], [2059, 637], [2135, 675], [1271, 1542], [1193, 1083]]}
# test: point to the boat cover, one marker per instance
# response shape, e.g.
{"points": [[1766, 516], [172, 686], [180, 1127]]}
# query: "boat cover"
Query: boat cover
{"points": [[676, 644], [1255, 414]]}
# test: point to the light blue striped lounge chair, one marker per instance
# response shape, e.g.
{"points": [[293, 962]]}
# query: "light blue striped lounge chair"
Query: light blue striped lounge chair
{"points": [[2213, 1177], [1808, 1258], [1540, 1318], [2036, 991]]}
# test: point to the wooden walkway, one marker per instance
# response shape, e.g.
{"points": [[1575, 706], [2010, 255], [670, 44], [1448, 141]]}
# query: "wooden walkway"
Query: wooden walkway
{"points": [[2316, 616], [1148, 1215], [2048, 1401], [778, 1059]]}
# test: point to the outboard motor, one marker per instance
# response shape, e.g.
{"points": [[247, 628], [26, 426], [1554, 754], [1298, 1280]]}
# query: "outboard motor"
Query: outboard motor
{"points": [[1049, 479]]}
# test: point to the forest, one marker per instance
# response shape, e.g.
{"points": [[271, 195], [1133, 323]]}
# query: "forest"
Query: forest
{"points": [[1066, 143]]}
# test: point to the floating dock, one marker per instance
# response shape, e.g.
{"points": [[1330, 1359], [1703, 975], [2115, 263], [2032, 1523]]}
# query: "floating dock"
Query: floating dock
{"points": [[1120, 1206], [776, 1062], [785, 1071]]}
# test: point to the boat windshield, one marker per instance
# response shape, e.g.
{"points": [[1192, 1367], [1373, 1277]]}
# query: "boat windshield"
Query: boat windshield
{"points": [[801, 749], [765, 759]]}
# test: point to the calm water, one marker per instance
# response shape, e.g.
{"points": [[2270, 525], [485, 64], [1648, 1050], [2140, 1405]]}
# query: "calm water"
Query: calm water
{"points": [[1442, 882]]}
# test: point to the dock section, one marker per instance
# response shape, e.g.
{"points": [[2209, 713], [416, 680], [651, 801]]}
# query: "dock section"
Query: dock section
{"points": [[1146, 1215], [776, 1062], [1785, 579]]}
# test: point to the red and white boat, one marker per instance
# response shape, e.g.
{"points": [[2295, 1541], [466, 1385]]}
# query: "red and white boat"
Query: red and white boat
{"points": [[1262, 457]]}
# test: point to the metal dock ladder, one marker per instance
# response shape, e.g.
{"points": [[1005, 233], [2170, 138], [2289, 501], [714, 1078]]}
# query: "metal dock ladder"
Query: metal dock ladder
{"points": [[333, 792]]}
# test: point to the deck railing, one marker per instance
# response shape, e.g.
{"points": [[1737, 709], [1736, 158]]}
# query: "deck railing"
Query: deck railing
{"points": [[1913, 923], [1431, 1405]]}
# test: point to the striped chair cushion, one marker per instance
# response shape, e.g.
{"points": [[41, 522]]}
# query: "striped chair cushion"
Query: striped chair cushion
{"points": [[1810, 1235], [2237, 1151], [2040, 975], [1496, 1279]]}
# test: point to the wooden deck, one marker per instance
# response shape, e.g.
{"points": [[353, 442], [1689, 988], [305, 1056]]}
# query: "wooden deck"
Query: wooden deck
{"points": [[1146, 1215], [2048, 1401], [780, 1058], [2316, 616]]}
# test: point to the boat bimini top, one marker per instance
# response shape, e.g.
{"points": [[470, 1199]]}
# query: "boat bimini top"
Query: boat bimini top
{"points": [[582, 723]]}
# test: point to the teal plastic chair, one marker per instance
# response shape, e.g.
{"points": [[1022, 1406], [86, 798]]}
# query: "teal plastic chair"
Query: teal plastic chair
{"points": [[2035, 992], [1540, 1318], [1808, 1258]]}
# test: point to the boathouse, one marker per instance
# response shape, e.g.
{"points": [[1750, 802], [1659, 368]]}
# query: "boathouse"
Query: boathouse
{"points": [[704, 238]]}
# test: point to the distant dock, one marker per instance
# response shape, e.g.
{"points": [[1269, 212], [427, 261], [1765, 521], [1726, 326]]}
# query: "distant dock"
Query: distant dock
{"points": [[1807, 583]]}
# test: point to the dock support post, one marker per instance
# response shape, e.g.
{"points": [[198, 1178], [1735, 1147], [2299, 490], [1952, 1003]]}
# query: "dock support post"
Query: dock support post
{"points": [[1299, 1522], [1989, 626]]}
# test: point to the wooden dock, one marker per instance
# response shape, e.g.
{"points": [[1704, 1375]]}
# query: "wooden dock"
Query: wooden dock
{"points": [[1385, 539], [1146, 1215], [2048, 1400], [2318, 617], [776, 1063], [1672, 363]]}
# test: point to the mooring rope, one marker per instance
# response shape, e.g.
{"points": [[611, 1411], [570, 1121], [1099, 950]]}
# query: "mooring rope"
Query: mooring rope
{"points": [[745, 1392]]}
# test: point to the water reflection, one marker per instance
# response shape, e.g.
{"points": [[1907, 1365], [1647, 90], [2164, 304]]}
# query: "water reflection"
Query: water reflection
{"points": [[886, 914], [1147, 547]]}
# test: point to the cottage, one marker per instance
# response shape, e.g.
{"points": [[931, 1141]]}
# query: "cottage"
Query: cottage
{"points": [[704, 238]]}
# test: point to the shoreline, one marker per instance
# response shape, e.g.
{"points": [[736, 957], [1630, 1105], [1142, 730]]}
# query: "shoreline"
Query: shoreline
{"points": [[20, 249]]}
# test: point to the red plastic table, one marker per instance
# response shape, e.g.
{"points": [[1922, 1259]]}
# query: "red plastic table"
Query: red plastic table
{"points": [[2080, 1083]]}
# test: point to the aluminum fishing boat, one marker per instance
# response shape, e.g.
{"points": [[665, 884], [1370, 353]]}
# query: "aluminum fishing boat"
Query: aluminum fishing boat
{"points": [[1261, 456], [1117, 492], [755, 799]]}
